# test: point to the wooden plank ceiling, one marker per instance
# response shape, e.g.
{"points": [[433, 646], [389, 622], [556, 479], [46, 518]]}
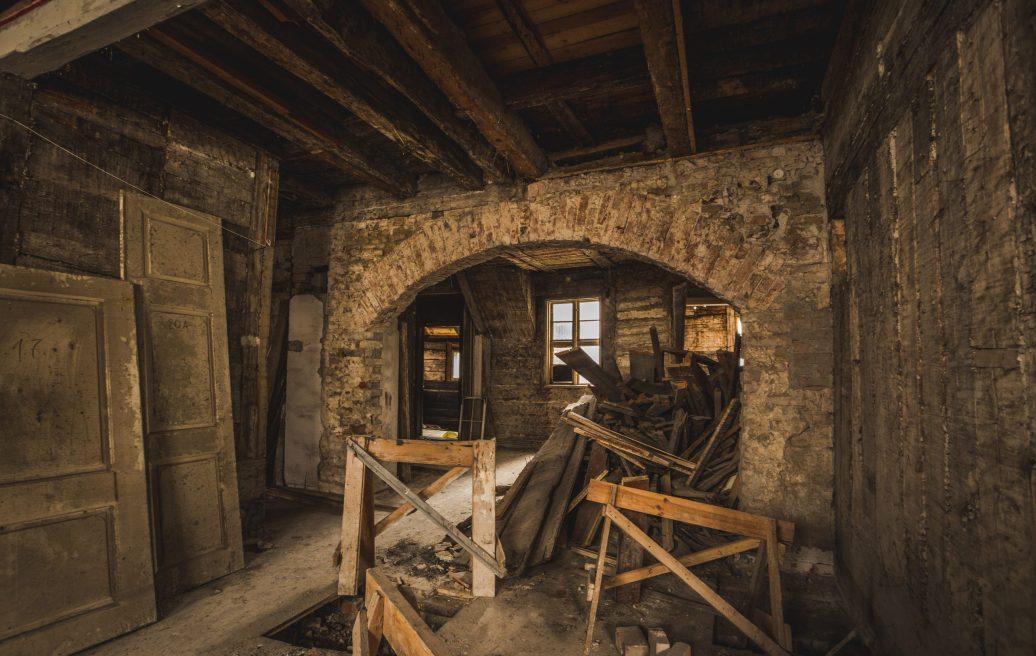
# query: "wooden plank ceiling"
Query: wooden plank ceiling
{"points": [[381, 92]]}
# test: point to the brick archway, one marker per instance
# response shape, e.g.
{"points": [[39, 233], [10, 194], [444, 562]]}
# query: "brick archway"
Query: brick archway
{"points": [[750, 226], [661, 230]]}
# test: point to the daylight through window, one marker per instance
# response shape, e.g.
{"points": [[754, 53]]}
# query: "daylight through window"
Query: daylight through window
{"points": [[572, 323]]}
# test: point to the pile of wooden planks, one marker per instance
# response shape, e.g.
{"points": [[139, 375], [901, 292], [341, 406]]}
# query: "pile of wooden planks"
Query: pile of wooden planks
{"points": [[675, 432], [532, 512], [669, 427]]}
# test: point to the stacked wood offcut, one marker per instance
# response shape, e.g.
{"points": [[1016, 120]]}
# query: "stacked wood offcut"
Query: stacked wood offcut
{"points": [[671, 426]]}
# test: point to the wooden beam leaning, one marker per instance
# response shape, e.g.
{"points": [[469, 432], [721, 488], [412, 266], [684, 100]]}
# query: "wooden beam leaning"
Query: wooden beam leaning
{"points": [[625, 445], [658, 30], [326, 141], [360, 92], [401, 489], [690, 512], [440, 48], [754, 633], [350, 29], [401, 624]]}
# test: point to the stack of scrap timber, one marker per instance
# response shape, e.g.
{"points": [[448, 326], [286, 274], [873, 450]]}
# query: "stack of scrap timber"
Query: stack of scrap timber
{"points": [[532, 512], [669, 427]]}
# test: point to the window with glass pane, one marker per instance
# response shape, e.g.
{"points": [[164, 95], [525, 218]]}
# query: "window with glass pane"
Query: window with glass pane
{"points": [[573, 323]]}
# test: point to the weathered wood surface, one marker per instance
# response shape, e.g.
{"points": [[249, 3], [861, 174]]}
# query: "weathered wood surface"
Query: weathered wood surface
{"points": [[754, 633], [483, 515], [440, 48], [659, 23], [401, 624], [351, 30], [690, 512], [631, 556], [179, 57]]}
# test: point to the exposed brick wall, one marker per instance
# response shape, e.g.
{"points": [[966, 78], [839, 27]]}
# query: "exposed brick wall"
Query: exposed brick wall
{"points": [[749, 225], [934, 327]]}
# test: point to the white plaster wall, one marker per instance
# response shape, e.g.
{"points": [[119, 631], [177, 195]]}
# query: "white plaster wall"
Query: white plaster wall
{"points": [[302, 427]]}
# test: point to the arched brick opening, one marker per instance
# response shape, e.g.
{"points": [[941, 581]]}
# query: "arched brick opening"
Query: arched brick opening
{"points": [[760, 244]]}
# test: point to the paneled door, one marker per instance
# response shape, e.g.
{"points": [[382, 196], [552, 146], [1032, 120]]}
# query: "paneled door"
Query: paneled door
{"points": [[75, 549], [175, 255]]}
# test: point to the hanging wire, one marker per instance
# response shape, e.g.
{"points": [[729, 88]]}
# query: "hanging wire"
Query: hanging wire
{"points": [[203, 217]]}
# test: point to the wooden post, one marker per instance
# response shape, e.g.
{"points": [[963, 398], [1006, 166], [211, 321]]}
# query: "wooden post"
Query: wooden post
{"points": [[773, 567], [631, 555], [483, 515], [595, 600], [357, 524]]}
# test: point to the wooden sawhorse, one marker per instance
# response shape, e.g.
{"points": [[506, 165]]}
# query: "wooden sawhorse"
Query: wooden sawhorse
{"points": [[359, 529]]}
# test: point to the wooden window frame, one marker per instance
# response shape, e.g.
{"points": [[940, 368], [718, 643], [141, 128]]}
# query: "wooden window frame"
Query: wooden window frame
{"points": [[576, 341]]}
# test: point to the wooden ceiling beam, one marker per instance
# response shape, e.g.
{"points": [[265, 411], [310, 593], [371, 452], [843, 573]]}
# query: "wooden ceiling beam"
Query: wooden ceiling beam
{"points": [[662, 33], [320, 137], [358, 91], [348, 27], [440, 48], [525, 31], [612, 74]]}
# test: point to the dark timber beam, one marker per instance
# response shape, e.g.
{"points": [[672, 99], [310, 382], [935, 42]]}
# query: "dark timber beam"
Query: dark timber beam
{"points": [[348, 27], [323, 138], [325, 69], [440, 48], [611, 74], [662, 33], [38, 37], [524, 29]]}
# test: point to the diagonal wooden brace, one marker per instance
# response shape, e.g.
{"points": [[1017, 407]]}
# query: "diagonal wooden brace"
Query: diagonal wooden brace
{"points": [[415, 499]]}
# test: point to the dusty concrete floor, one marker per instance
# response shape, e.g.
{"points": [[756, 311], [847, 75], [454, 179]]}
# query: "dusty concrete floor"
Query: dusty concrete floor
{"points": [[278, 584], [541, 613]]}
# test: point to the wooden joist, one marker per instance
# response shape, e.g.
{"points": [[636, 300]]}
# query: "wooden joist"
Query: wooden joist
{"points": [[690, 512], [611, 74], [244, 93], [441, 50], [355, 89], [662, 34], [353, 32], [525, 31]]}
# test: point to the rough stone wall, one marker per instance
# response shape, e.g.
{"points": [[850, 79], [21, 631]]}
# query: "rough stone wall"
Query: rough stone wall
{"points": [[931, 164], [58, 213], [750, 225]]}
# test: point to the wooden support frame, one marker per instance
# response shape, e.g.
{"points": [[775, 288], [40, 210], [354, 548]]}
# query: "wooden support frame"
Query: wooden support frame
{"points": [[762, 533], [390, 616], [359, 529]]}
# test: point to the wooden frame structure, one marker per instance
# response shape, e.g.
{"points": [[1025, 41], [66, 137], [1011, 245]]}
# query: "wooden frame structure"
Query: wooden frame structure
{"points": [[762, 534], [359, 528], [387, 614]]}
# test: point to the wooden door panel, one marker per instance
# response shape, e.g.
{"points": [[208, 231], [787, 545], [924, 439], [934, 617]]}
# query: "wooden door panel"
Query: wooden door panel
{"points": [[176, 256], [75, 552]]}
